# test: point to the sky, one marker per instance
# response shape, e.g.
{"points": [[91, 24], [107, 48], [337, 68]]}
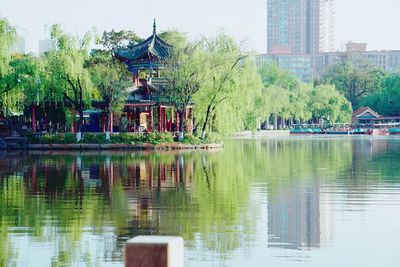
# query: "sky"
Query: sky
{"points": [[370, 21]]}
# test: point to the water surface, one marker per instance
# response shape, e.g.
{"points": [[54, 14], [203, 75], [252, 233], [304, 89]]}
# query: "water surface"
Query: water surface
{"points": [[267, 202]]}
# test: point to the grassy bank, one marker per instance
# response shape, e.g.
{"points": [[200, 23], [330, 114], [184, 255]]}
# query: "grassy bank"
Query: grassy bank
{"points": [[120, 138]]}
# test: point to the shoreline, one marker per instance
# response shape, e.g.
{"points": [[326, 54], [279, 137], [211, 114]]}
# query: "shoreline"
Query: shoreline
{"points": [[132, 147]]}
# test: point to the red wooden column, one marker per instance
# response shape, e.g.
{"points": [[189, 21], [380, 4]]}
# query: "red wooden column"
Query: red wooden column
{"points": [[160, 126], [164, 118], [33, 119]]}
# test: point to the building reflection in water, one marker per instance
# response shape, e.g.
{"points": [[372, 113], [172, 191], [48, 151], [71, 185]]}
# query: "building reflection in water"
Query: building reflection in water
{"points": [[294, 217], [300, 214]]}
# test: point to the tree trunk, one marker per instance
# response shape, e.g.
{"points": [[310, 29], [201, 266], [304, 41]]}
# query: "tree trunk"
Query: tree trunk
{"points": [[80, 123], [108, 123], [267, 123], [181, 122], [203, 129], [275, 122]]}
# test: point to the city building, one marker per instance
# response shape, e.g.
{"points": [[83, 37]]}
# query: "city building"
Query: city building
{"points": [[309, 67], [19, 46], [298, 27], [299, 65], [327, 26], [45, 46], [297, 31], [388, 60]]}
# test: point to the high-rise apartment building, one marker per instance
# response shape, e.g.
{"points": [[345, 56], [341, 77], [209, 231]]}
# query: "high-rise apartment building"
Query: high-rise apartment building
{"points": [[19, 46], [45, 45], [300, 26]]}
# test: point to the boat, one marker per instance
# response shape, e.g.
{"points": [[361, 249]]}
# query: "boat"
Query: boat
{"points": [[306, 129], [340, 129], [394, 131]]}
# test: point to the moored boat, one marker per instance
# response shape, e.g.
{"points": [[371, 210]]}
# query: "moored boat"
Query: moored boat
{"points": [[394, 131]]}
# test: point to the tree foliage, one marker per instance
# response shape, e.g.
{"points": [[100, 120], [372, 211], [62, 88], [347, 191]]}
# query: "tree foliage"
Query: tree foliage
{"points": [[111, 79], [386, 102], [184, 74], [225, 102], [355, 78], [65, 66], [328, 104], [113, 40], [7, 39], [287, 98]]}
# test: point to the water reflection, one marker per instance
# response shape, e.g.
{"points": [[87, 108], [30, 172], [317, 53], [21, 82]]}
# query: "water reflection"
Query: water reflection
{"points": [[78, 209]]}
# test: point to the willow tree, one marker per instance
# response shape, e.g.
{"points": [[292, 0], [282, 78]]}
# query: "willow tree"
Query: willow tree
{"points": [[226, 73], [330, 105], [283, 94], [7, 39], [22, 83], [184, 73], [66, 71]]}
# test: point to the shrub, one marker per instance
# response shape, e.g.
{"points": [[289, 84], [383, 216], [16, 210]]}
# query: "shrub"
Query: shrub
{"points": [[88, 138], [192, 140], [127, 138], [158, 138], [100, 139], [52, 139], [31, 138], [69, 138]]}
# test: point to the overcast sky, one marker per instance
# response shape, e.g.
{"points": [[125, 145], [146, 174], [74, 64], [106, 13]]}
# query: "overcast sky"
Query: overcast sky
{"points": [[371, 21]]}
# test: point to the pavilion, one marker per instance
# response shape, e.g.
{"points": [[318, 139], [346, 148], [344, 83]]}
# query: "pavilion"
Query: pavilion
{"points": [[367, 116], [145, 108]]}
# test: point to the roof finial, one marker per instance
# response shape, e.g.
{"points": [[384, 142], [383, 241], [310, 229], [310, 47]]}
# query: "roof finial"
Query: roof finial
{"points": [[154, 27]]}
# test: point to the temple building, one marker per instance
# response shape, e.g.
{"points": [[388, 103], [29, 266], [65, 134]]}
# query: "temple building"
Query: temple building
{"points": [[146, 109]]}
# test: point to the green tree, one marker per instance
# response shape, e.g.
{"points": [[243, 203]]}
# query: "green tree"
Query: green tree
{"points": [[386, 102], [111, 78], [229, 79], [283, 95], [272, 74], [328, 104], [355, 78], [183, 74], [66, 71], [7, 39], [112, 40]]}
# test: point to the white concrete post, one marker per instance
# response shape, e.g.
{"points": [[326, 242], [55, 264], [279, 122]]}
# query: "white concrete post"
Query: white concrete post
{"points": [[154, 251]]}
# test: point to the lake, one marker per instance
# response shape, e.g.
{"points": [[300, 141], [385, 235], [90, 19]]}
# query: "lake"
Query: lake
{"points": [[289, 201]]}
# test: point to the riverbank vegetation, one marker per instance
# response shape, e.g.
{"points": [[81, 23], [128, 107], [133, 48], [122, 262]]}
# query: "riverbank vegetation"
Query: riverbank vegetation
{"points": [[230, 92]]}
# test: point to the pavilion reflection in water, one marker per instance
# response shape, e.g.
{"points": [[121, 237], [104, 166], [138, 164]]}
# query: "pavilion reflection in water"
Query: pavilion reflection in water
{"points": [[135, 175]]}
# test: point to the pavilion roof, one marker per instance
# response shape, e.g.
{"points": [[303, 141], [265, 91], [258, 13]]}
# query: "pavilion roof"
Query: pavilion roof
{"points": [[365, 112], [153, 45]]}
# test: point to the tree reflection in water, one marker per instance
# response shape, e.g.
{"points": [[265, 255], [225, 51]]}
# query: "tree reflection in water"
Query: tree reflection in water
{"points": [[82, 207]]}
